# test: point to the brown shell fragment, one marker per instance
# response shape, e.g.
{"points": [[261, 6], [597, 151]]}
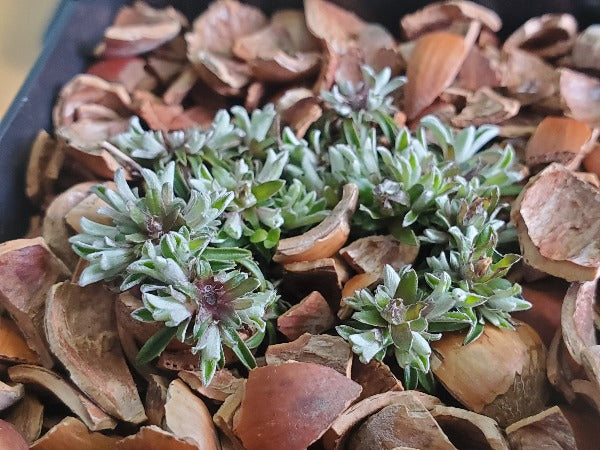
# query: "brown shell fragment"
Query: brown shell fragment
{"points": [[590, 359], [440, 15], [94, 418], [301, 396], [511, 367], [527, 77], [371, 254], [589, 391], [88, 208], [586, 52], [548, 36], [302, 114], [45, 162], [13, 347], [577, 319], [10, 437], [432, 67], [180, 87], [140, 28], [356, 283], [482, 68], [82, 334], [130, 72], [187, 417], [374, 377], [325, 239], [223, 384], [312, 315], [466, 429], [331, 23], [72, 433], [548, 429], [557, 220], [486, 106], [406, 423], [27, 417], [559, 139], [581, 96], [156, 397], [322, 349], [29, 269], [153, 438], [223, 418]]}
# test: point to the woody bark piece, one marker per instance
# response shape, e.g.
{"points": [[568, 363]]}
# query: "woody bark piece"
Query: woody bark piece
{"points": [[577, 318], [327, 275], [45, 161], [406, 423], [13, 347], [153, 438], [9, 395], [222, 385], [187, 417], [527, 77], [27, 417], [82, 334], [580, 94], [156, 397], [325, 239], [29, 269], [548, 36], [559, 139], [330, 351], [304, 397], [557, 219], [511, 367], [10, 437], [586, 52], [72, 433], [89, 413], [548, 429], [371, 254], [466, 429], [54, 228], [440, 15], [486, 106], [432, 67], [312, 315], [223, 418], [374, 377]]}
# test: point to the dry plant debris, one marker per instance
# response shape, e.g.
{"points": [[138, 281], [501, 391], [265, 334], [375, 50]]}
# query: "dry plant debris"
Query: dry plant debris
{"points": [[297, 270]]}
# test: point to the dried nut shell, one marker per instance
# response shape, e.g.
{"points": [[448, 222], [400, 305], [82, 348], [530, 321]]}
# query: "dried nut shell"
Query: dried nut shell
{"points": [[72, 433], [548, 36], [13, 347], [556, 216], [559, 139], [90, 414], [88, 208], [325, 239], [9, 395], [77, 317], [45, 162], [223, 384], [29, 269], [304, 397], [129, 72], [577, 318], [10, 437], [371, 254], [356, 283], [331, 23], [153, 438], [156, 397], [432, 67], [223, 418], [482, 68], [586, 52], [312, 315], [374, 377], [581, 96], [592, 161], [548, 429], [511, 367], [527, 77], [329, 351]]}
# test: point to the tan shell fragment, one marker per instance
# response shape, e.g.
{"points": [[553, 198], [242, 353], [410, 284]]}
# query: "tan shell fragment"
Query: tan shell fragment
{"points": [[88, 208], [581, 95], [509, 364], [90, 414], [82, 334], [586, 52], [577, 319], [27, 417], [466, 429], [223, 418], [406, 423], [325, 239], [557, 219], [156, 397], [72, 433], [187, 417], [29, 269], [9, 395], [371, 254], [374, 377], [322, 349], [440, 15], [153, 438], [303, 397], [559, 139], [356, 283], [223, 384], [45, 162], [486, 106], [548, 36], [548, 429], [527, 77], [312, 315], [331, 23]]}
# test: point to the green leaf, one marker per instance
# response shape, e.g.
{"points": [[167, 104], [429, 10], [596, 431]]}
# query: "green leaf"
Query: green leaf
{"points": [[267, 190], [226, 254], [155, 345], [239, 347], [259, 236], [370, 318], [407, 288]]}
